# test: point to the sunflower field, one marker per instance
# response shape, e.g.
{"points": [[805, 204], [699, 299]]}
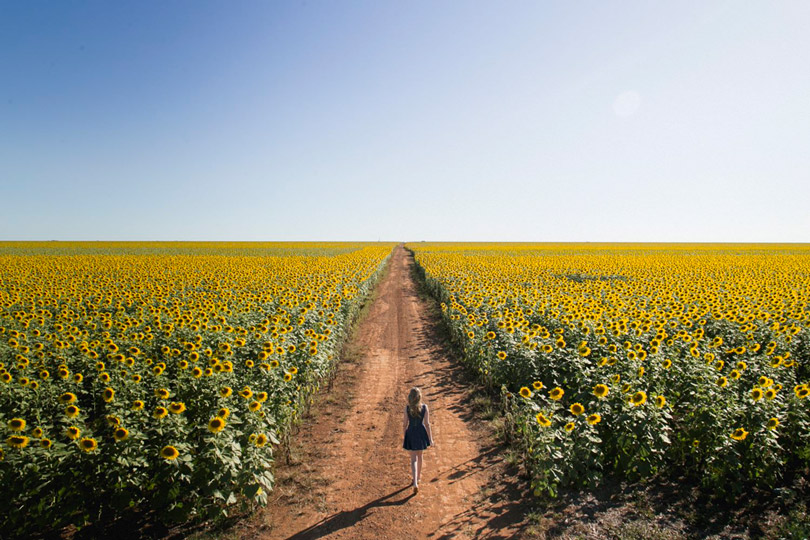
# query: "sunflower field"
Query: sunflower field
{"points": [[636, 360], [161, 376]]}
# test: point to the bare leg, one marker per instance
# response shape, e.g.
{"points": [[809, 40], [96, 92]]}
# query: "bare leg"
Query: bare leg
{"points": [[418, 466], [414, 469]]}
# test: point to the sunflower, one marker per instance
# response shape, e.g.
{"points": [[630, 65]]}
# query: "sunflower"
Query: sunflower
{"points": [[138, 405], [261, 439], [770, 393], [287, 376], [67, 397], [639, 398], [756, 394], [162, 393], [254, 406], [37, 432], [722, 382], [547, 348], [73, 433], [108, 395], [216, 424], [537, 385], [525, 392], [274, 363], [196, 372], [121, 434], [577, 409], [45, 443], [666, 364], [556, 394], [246, 392], [739, 434], [72, 411], [802, 393], [772, 423], [160, 412], [78, 377], [17, 441], [660, 401], [225, 391], [88, 444], [169, 453], [261, 397], [177, 407], [16, 424], [542, 420], [594, 419], [224, 412], [501, 355], [601, 390]]}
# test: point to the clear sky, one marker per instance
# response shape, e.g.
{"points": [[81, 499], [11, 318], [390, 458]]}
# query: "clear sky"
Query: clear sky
{"points": [[456, 120]]}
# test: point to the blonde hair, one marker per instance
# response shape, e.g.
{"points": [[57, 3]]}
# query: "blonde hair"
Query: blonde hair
{"points": [[414, 402]]}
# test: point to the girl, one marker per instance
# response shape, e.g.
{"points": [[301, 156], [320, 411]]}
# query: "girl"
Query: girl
{"points": [[417, 433]]}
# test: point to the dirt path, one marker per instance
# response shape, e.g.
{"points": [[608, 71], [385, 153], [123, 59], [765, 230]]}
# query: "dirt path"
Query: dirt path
{"points": [[350, 477]]}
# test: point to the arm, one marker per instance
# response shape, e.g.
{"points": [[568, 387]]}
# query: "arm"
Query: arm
{"points": [[426, 423]]}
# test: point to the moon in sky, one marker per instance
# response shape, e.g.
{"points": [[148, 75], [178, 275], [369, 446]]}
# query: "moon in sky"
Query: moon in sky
{"points": [[627, 103]]}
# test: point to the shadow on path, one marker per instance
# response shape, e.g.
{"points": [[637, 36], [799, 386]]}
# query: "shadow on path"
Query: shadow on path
{"points": [[349, 518]]}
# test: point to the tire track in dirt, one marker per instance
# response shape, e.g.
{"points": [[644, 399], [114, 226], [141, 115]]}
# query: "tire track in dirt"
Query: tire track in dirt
{"points": [[351, 479]]}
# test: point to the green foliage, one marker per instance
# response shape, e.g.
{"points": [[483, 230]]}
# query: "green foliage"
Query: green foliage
{"points": [[130, 452], [716, 392]]}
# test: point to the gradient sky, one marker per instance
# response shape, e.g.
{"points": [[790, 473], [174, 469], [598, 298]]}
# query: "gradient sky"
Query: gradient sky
{"points": [[322, 120]]}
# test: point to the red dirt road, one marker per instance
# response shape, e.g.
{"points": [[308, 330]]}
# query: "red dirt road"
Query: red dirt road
{"points": [[350, 478]]}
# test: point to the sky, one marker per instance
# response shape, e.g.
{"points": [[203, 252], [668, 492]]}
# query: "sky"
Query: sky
{"points": [[405, 121]]}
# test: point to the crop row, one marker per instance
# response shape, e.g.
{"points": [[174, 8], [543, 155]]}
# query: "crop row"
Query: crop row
{"points": [[161, 381], [634, 360]]}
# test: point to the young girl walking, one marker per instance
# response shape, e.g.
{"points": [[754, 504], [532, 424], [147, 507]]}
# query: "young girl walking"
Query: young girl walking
{"points": [[417, 433]]}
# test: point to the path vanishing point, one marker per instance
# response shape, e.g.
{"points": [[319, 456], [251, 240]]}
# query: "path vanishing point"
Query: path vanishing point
{"points": [[349, 477]]}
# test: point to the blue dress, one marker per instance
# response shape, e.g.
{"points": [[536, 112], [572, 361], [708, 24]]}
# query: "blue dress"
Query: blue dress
{"points": [[416, 437]]}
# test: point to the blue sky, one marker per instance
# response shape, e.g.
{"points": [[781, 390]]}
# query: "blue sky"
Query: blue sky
{"points": [[514, 121]]}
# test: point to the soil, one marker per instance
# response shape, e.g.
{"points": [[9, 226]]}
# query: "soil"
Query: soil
{"points": [[349, 476]]}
